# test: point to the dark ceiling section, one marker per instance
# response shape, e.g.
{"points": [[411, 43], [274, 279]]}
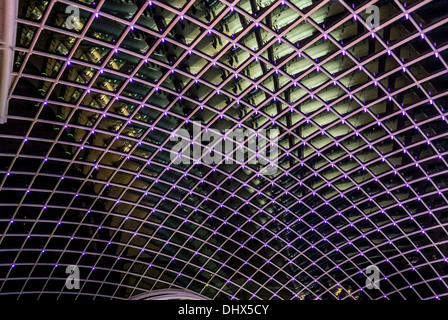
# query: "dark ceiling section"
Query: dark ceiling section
{"points": [[86, 177]]}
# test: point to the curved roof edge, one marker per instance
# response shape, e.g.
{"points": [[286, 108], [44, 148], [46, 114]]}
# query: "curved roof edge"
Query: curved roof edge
{"points": [[169, 294]]}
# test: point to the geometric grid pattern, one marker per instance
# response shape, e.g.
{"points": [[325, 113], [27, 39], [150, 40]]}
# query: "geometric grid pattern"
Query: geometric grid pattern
{"points": [[86, 177]]}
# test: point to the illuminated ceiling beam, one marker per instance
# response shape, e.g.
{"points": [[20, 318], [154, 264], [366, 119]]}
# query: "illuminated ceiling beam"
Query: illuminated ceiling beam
{"points": [[8, 13]]}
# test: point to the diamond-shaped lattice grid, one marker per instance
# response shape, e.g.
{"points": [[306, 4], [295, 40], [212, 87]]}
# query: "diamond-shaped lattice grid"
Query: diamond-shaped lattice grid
{"points": [[86, 176]]}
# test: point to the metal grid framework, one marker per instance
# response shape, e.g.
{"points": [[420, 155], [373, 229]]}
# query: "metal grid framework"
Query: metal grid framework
{"points": [[86, 177]]}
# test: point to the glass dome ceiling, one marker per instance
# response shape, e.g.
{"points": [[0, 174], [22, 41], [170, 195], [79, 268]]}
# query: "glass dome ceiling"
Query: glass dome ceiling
{"points": [[99, 86]]}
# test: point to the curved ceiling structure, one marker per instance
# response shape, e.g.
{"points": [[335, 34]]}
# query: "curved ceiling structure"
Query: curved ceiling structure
{"points": [[169, 294], [100, 87]]}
